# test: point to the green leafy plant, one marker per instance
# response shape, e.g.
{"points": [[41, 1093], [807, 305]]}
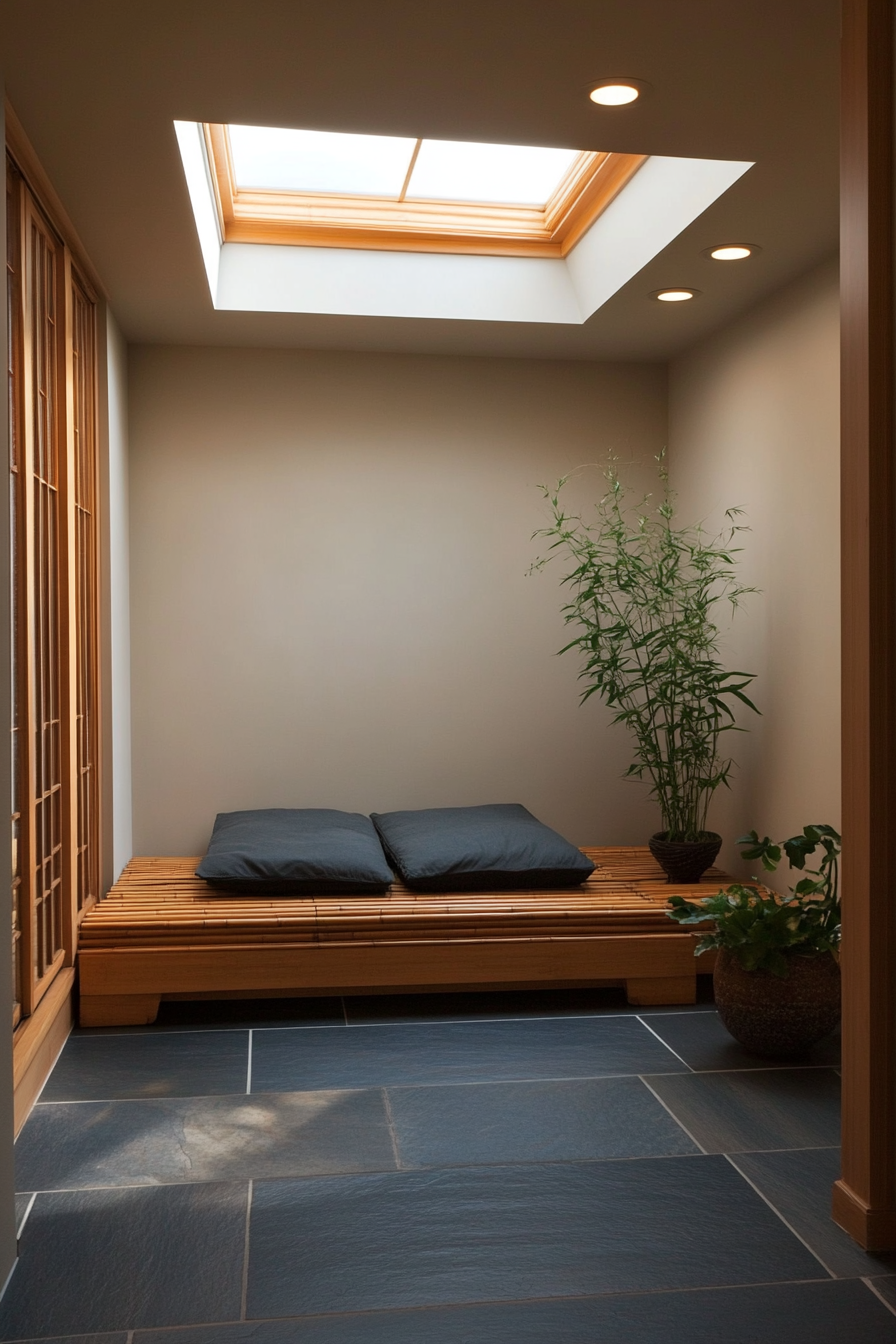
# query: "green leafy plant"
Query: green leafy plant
{"points": [[759, 927], [644, 594]]}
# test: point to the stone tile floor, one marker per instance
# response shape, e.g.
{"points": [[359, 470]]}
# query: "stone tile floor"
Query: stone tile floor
{"points": [[544, 1168]]}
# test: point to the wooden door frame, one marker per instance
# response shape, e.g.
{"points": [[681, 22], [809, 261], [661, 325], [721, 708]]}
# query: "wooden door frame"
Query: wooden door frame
{"points": [[864, 1199]]}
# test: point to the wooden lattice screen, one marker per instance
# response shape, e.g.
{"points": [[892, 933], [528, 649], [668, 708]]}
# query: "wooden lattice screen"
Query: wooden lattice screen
{"points": [[54, 720]]}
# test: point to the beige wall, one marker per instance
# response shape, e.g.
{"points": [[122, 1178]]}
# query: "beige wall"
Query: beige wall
{"points": [[330, 604], [753, 420]]}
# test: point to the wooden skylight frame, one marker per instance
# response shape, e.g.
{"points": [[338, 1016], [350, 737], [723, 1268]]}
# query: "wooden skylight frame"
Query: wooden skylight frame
{"points": [[312, 219]]}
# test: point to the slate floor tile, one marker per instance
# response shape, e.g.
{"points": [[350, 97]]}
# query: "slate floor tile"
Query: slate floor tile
{"points": [[831, 1312], [461, 1052], [159, 1064], [702, 1042], [766, 1108], [532, 1122], [72, 1145], [886, 1286], [95, 1260], [799, 1185], [409, 1239]]}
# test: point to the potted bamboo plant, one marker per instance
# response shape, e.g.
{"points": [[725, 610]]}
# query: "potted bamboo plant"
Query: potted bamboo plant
{"points": [[777, 974], [645, 597]]}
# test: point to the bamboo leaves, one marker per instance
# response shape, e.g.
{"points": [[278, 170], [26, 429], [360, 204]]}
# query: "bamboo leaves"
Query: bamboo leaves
{"points": [[643, 597]]}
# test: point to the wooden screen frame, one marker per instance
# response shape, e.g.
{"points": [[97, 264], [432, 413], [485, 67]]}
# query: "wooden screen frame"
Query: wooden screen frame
{"points": [[864, 1199], [32, 986], [309, 219], [70, 276]]}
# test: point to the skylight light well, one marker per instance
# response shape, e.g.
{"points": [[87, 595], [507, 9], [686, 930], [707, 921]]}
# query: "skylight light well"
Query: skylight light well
{"points": [[367, 257], [331, 189]]}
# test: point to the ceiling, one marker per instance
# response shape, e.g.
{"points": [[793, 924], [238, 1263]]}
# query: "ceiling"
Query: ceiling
{"points": [[97, 86]]}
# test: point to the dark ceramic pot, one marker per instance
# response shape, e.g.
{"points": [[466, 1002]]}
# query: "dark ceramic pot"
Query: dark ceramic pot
{"points": [[685, 860], [778, 1016]]}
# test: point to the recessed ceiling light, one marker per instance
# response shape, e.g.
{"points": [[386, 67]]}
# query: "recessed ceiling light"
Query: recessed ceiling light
{"points": [[616, 92], [732, 252], [674, 295]]}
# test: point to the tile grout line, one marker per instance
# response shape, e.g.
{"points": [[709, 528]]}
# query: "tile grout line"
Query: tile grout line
{"points": [[464, 1165], [757, 1068], [249, 1068], [869, 1283], [393, 1171], [130, 1337], [664, 1043], [25, 1216], [393, 1133], [444, 1022], [678, 1122], [460, 1306], [244, 1286], [728, 1158], [466, 1082]]}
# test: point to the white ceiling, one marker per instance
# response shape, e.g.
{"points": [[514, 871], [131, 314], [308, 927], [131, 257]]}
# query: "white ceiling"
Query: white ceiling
{"points": [[99, 84]]}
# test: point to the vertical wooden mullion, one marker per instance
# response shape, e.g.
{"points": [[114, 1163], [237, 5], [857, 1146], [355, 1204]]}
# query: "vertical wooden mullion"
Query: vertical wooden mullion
{"points": [[68, 618], [28, 632], [14, 374], [86, 475]]}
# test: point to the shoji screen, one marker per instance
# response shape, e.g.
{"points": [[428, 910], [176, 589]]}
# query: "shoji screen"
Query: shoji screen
{"points": [[54, 720]]}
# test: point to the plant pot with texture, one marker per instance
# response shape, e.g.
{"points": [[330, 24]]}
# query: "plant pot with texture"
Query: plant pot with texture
{"points": [[777, 976], [685, 860]]}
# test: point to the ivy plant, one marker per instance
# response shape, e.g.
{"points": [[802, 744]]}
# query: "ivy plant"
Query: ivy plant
{"points": [[759, 927], [645, 597]]}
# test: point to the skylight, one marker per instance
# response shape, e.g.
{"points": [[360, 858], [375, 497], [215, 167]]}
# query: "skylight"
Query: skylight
{"points": [[452, 170], [272, 159], [281, 250], [265, 157], [330, 189]]}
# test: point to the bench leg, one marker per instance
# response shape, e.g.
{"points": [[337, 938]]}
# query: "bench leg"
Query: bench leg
{"points": [[117, 1010], [662, 989]]}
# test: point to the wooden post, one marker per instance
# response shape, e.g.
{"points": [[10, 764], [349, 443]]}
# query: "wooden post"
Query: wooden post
{"points": [[864, 1200]]}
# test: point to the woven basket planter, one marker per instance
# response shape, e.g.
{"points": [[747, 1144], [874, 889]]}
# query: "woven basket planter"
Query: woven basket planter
{"points": [[778, 1017], [685, 861]]}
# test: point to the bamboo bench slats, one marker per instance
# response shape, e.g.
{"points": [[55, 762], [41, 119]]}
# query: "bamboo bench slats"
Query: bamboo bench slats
{"points": [[162, 930]]}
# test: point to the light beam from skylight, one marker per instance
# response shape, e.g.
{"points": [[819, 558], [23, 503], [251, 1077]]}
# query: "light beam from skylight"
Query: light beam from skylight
{"points": [[455, 170], [273, 159]]}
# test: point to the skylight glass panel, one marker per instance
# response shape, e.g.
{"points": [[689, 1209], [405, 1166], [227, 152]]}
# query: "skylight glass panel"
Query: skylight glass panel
{"points": [[320, 161], [452, 170]]}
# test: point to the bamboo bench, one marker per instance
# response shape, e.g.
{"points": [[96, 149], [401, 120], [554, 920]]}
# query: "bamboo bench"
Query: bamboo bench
{"points": [[162, 933]]}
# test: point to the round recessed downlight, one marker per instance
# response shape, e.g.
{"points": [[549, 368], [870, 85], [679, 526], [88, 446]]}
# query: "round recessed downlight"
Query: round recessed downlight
{"points": [[615, 93], [732, 252], [674, 295]]}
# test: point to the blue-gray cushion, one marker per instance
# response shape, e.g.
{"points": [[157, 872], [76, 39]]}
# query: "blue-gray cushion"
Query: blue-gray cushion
{"points": [[498, 847], [295, 851]]}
